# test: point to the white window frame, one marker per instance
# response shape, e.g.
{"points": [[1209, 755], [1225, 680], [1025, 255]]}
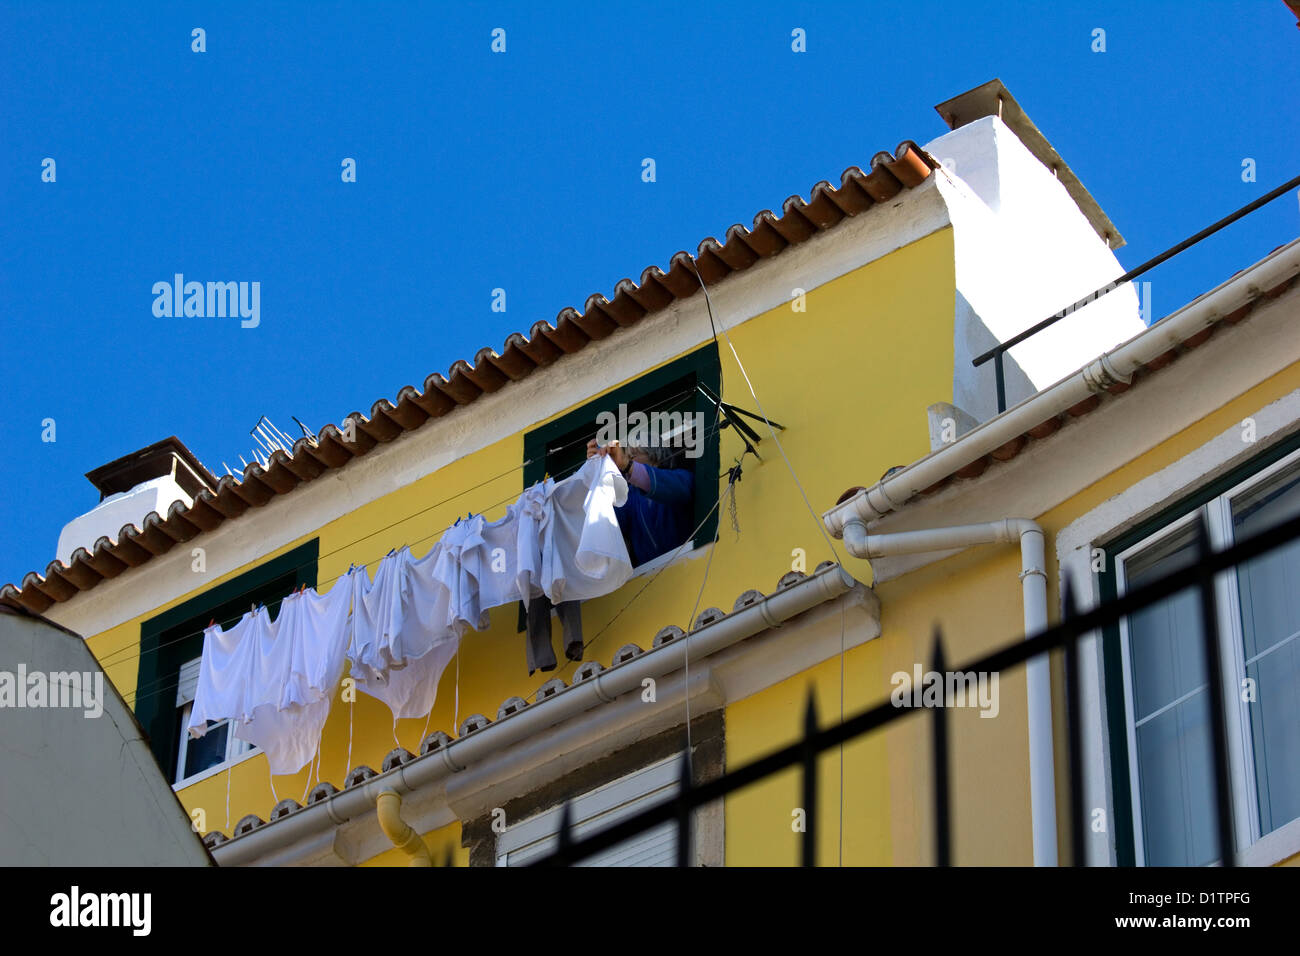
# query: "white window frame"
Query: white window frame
{"points": [[596, 809], [237, 750], [686, 551], [1245, 798], [1076, 545]]}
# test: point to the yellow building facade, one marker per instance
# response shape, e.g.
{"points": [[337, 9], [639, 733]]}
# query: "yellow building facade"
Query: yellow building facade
{"points": [[850, 320]]}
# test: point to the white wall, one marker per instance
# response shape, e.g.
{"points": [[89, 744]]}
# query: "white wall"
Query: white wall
{"points": [[78, 790], [128, 507], [1024, 250]]}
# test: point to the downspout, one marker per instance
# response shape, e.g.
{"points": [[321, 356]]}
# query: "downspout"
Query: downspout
{"points": [[1033, 585], [388, 810]]}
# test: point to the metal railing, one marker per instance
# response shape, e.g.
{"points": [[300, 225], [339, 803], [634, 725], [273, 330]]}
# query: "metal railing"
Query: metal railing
{"points": [[1066, 635], [996, 353]]}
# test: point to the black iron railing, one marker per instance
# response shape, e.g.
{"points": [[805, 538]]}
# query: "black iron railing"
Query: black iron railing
{"points": [[1066, 635], [996, 353]]}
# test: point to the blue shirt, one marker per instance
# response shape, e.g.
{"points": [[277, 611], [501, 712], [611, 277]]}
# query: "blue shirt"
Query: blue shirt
{"points": [[656, 521]]}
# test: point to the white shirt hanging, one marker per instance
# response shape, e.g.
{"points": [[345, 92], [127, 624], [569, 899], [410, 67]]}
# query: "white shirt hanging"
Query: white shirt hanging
{"points": [[383, 639], [224, 673], [274, 679], [404, 635], [584, 555], [315, 625]]}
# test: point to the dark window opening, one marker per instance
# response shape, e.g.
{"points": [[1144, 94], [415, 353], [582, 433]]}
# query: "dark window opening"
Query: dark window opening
{"points": [[673, 394], [170, 640]]}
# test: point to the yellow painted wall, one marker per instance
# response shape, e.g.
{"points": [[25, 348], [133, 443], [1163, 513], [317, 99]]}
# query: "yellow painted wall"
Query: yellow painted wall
{"points": [[850, 379], [975, 598], [887, 794]]}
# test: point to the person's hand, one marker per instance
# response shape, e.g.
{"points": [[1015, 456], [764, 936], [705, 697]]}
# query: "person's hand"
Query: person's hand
{"points": [[622, 460]]}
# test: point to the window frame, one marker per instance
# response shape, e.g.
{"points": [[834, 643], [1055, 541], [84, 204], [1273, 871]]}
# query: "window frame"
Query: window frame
{"points": [[660, 781], [702, 367], [1214, 502], [171, 639], [237, 751]]}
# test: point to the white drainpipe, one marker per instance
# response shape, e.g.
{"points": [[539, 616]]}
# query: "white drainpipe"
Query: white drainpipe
{"points": [[1033, 584], [1118, 365], [897, 488]]}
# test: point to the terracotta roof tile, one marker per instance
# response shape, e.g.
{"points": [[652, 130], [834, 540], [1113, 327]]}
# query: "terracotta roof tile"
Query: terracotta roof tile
{"points": [[491, 371]]}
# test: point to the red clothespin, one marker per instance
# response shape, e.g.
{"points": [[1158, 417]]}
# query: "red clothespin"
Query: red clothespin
{"points": [[212, 623]]}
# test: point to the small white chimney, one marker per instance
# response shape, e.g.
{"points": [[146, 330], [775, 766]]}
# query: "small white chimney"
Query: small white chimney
{"points": [[1029, 241], [150, 479]]}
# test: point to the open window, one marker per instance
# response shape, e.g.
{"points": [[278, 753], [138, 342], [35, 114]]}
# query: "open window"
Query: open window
{"points": [[679, 408], [213, 751], [171, 646]]}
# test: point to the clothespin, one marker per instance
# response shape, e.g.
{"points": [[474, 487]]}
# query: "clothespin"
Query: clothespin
{"points": [[212, 623]]}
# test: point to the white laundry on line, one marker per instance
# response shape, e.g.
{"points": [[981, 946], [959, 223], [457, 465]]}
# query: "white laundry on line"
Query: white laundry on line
{"points": [[273, 679], [399, 631], [584, 555]]}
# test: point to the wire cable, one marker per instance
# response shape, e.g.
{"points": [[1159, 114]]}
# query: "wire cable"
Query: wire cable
{"points": [[816, 520], [167, 682], [763, 414], [111, 658]]}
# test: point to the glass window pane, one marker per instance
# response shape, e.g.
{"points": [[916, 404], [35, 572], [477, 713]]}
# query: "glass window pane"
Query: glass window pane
{"points": [[1177, 785], [1171, 712], [1270, 620], [1165, 641], [208, 751]]}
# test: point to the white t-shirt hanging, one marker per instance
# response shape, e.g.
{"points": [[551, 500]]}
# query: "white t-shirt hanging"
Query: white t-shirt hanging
{"points": [[456, 570], [413, 690], [222, 689], [420, 638], [429, 597], [533, 516], [583, 552], [247, 673], [500, 561], [382, 641], [316, 627]]}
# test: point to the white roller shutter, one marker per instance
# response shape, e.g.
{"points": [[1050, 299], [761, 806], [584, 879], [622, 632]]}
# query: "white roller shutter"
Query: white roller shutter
{"points": [[188, 683], [535, 837]]}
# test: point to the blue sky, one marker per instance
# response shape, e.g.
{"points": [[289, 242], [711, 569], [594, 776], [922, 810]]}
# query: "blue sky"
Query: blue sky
{"points": [[519, 170]]}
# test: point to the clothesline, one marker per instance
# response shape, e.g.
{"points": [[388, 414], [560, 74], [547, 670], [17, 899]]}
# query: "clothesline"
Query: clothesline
{"points": [[674, 555], [274, 679], [134, 651]]}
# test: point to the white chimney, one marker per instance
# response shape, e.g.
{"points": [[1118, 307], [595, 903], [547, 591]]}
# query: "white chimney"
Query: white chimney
{"points": [[150, 479], [1029, 241]]}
